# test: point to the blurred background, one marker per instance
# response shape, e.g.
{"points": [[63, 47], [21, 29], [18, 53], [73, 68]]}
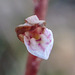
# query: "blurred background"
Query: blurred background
{"points": [[60, 19]]}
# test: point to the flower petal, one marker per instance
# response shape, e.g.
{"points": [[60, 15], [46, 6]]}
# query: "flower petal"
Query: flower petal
{"points": [[34, 20], [41, 48]]}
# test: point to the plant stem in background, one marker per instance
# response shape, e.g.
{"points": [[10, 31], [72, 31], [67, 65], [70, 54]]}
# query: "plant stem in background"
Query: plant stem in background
{"points": [[33, 62]]}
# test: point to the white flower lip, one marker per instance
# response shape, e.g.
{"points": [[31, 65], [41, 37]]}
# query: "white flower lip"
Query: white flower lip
{"points": [[42, 50]]}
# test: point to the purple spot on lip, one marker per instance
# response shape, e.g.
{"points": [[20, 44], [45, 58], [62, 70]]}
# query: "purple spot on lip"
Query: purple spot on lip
{"points": [[48, 42], [48, 35], [29, 42], [30, 37], [41, 47], [39, 44], [39, 39]]}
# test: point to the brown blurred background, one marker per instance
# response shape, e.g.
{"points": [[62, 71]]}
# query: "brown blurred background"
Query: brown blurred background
{"points": [[60, 19]]}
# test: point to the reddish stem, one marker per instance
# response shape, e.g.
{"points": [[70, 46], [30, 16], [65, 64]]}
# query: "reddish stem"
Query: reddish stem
{"points": [[33, 62], [40, 8], [32, 65]]}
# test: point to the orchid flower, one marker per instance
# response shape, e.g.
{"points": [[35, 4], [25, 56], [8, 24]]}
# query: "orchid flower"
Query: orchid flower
{"points": [[37, 38]]}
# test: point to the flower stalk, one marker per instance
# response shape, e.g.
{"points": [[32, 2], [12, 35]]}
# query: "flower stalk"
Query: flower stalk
{"points": [[33, 65], [33, 62]]}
